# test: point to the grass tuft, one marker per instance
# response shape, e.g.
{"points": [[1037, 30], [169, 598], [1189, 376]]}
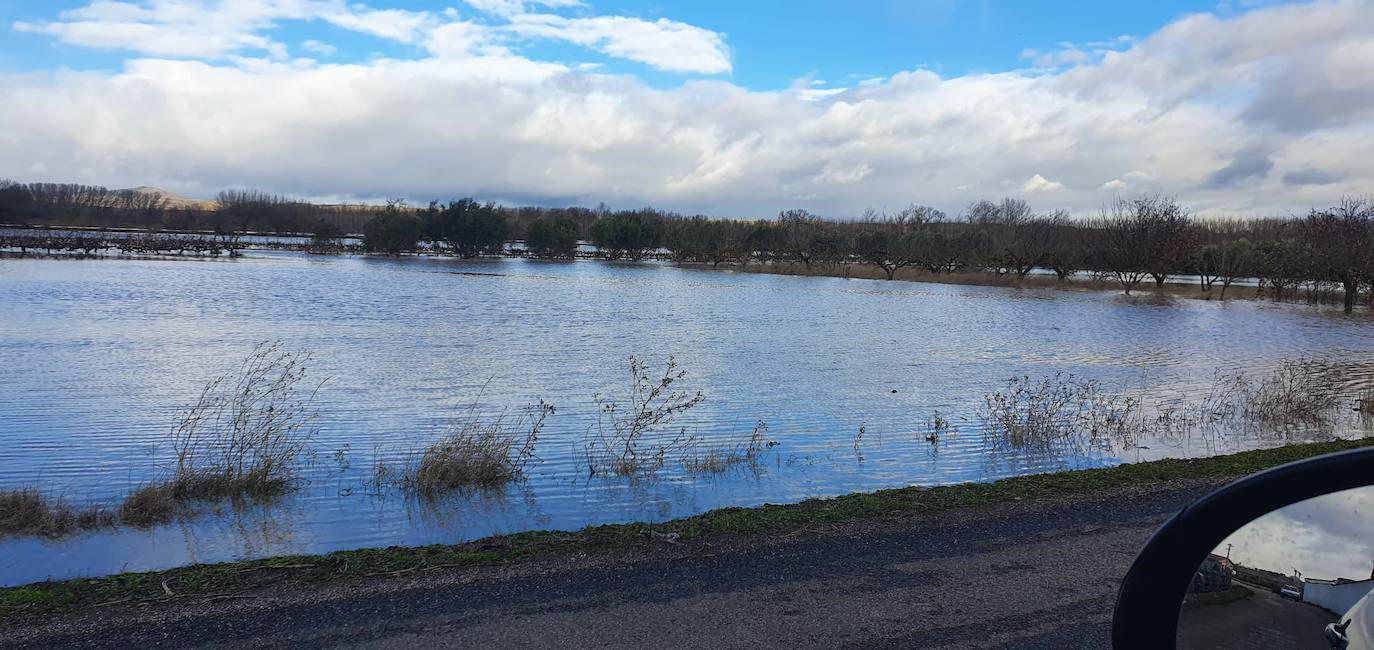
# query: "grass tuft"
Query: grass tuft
{"points": [[148, 505], [242, 436], [720, 460], [477, 454], [30, 512]]}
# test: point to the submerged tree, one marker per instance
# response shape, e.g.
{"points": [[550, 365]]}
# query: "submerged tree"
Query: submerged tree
{"points": [[1117, 237], [800, 236], [629, 234], [325, 236], [467, 227], [1225, 262], [551, 236], [1342, 240], [392, 231]]}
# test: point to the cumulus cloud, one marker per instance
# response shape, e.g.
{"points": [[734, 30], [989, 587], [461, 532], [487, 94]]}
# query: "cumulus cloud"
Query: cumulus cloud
{"points": [[1038, 183], [1199, 109]]}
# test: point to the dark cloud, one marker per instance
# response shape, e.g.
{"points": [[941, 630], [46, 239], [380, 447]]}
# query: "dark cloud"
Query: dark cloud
{"points": [[1246, 165], [1312, 177]]}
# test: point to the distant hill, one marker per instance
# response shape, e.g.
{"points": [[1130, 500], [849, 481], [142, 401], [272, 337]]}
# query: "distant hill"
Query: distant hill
{"points": [[175, 200]]}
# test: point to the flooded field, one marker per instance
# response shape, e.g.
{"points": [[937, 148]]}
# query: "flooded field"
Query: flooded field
{"points": [[847, 376]]}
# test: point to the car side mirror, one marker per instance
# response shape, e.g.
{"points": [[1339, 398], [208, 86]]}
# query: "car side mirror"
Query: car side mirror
{"points": [[1281, 558]]}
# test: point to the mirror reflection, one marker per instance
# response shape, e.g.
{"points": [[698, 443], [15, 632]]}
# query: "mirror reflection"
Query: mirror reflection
{"points": [[1298, 577]]}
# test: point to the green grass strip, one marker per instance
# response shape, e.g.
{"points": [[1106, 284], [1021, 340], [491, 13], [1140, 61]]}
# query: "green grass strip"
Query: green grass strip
{"points": [[208, 581]]}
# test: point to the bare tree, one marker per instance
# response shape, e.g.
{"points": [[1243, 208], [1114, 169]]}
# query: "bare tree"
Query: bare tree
{"points": [[1117, 235], [1341, 240], [806, 238], [1165, 234]]}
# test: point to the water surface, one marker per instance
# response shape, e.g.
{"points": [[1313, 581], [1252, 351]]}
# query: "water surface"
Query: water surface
{"points": [[99, 354]]}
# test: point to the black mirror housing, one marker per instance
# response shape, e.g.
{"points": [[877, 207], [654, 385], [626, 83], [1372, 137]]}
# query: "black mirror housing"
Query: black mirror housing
{"points": [[1147, 606]]}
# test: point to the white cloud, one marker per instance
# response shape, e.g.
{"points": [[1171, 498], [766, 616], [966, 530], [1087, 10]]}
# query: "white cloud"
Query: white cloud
{"points": [[214, 29], [840, 174], [1266, 112], [1067, 55], [515, 7], [1071, 54], [663, 44], [1037, 183], [229, 29], [318, 47], [393, 24], [1114, 185]]}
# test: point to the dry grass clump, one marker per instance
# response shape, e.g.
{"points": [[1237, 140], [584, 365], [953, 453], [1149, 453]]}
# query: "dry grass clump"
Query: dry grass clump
{"points": [[1300, 392], [244, 434], [637, 436], [148, 505], [1060, 413], [475, 453], [749, 452], [1364, 403], [27, 511]]}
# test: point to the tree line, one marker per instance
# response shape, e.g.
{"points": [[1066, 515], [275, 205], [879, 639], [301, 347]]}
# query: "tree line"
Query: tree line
{"points": [[1130, 242]]}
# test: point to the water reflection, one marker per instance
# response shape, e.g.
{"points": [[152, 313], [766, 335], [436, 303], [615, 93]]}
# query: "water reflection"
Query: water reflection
{"points": [[1294, 578], [99, 354]]}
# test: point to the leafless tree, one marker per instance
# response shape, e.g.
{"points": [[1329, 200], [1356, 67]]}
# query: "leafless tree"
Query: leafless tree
{"points": [[1341, 239]]}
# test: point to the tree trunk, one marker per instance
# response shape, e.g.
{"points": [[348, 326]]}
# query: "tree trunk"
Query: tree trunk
{"points": [[1351, 289]]}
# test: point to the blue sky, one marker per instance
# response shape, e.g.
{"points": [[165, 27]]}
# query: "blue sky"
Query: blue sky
{"points": [[773, 43], [729, 108]]}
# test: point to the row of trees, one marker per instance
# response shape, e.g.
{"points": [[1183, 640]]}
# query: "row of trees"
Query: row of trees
{"points": [[1129, 242]]}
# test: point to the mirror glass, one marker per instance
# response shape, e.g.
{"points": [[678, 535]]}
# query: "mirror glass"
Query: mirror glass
{"points": [[1297, 577]]}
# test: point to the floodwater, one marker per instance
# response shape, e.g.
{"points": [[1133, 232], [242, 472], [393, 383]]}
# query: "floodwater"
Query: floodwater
{"points": [[98, 355]]}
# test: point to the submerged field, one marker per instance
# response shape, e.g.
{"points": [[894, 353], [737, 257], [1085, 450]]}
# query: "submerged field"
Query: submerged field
{"points": [[859, 385]]}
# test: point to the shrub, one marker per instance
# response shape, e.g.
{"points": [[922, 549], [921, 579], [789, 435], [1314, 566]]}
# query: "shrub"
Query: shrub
{"points": [[243, 435], [637, 435], [392, 231], [551, 236]]}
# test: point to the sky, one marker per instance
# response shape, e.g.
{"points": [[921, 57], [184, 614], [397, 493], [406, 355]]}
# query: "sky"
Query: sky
{"points": [[743, 109], [1327, 537]]}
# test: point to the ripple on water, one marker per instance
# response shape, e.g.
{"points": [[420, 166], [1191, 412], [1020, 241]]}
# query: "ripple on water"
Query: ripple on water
{"points": [[99, 355]]}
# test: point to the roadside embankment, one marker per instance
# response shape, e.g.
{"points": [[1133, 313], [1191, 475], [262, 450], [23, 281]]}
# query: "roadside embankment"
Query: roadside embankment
{"points": [[729, 527]]}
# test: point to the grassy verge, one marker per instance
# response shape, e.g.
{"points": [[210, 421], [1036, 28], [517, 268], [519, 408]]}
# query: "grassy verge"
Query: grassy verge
{"points": [[1237, 592], [210, 582]]}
